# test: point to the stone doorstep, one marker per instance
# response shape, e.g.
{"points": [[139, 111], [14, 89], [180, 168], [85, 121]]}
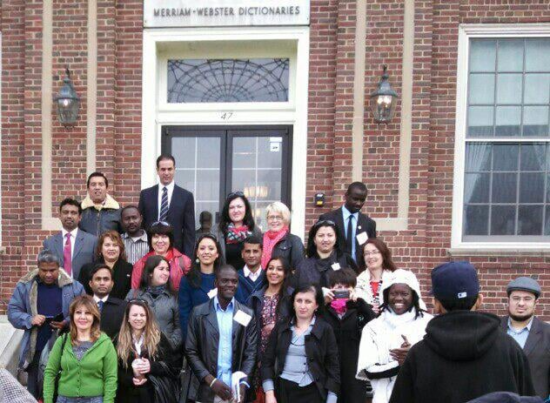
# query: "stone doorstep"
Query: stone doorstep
{"points": [[10, 340]]}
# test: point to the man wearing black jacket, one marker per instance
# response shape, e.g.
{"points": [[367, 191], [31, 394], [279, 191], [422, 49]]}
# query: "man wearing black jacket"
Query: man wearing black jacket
{"points": [[464, 354], [221, 340], [354, 226], [111, 308]]}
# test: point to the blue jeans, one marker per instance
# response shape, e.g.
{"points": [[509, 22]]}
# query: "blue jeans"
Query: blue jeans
{"points": [[63, 399]]}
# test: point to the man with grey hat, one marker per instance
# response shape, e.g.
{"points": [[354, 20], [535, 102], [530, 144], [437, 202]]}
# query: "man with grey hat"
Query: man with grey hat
{"points": [[532, 334], [464, 354]]}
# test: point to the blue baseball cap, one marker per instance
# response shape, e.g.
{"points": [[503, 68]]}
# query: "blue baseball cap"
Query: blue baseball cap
{"points": [[455, 280]]}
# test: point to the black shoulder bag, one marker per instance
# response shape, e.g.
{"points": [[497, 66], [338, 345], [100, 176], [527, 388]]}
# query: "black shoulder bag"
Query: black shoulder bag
{"points": [[56, 383]]}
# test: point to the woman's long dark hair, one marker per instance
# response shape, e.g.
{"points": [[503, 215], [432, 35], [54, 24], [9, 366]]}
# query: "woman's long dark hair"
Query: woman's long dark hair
{"points": [[312, 248], [194, 275], [415, 302], [225, 220], [283, 291], [150, 265], [306, 288]]}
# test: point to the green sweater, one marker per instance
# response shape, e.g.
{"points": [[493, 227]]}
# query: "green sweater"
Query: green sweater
{"points": [[94, 375]]}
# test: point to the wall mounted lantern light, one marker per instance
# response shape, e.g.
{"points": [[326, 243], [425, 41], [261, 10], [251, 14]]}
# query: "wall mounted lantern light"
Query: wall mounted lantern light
{"points": [[384, 100], [68, 102]]}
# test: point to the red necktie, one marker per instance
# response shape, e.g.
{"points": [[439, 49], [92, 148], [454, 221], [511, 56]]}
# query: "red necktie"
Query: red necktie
{"points": [[67, 264]]}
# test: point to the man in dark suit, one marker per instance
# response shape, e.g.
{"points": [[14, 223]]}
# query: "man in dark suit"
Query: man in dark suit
{"points": [[532, 334], [355, 227], [170, 203], [111, 308], [73, 247]]}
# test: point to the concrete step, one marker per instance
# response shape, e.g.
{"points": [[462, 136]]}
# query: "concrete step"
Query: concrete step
{"points": [[10, 340]]}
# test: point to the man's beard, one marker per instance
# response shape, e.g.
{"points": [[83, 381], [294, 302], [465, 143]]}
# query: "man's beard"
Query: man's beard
{"points": [[521, 318]]}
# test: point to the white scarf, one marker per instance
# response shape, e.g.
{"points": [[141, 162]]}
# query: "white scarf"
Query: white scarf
{"points": [[395, 321]]}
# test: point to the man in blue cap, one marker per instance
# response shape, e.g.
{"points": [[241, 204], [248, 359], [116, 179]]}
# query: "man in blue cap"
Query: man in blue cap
{"points": [[464, 354], [532, 334]]}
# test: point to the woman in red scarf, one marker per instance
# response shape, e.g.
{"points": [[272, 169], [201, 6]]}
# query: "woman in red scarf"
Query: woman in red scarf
{"points": [[278, 241], [236, 224], [161, 239]]}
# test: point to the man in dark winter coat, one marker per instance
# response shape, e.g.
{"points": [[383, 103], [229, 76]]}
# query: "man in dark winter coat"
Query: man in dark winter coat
{"points": [[464, 354], [531, 333]]}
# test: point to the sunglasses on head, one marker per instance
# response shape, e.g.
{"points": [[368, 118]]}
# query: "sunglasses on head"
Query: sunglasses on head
{"points": [[163, 223], [209, 236], [236, 194], [139, 301], [324, 222]]}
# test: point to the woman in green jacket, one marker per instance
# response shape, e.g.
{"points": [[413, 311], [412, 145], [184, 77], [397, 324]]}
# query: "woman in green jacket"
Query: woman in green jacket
{"points": [[85, 360]]}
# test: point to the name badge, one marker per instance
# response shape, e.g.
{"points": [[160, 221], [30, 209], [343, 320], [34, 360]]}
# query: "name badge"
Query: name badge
{"points": [[212, 293], [362, 238], [242, 318], [336, 266]]}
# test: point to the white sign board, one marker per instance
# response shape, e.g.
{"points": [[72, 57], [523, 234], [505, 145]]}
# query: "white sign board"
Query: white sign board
{"points": [[223, 13]]}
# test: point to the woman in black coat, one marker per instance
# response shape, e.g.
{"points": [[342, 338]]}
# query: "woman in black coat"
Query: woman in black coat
{"points": [[110, 251], [348, 315], [303, 341], [324, 256], [148, 368]]}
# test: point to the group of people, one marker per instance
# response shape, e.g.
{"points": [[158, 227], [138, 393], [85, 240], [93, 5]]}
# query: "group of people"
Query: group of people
{"points": [[134, 304]]}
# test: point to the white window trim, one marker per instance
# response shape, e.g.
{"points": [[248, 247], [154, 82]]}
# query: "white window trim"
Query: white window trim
{"points": [[465, 33], [156, 113]]}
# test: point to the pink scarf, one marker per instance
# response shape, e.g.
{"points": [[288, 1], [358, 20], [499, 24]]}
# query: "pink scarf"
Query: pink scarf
{"points": [[339, 305], [271, 238]]}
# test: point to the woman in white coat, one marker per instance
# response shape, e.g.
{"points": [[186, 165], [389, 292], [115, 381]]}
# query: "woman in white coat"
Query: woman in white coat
{"points": [[386, 340]]}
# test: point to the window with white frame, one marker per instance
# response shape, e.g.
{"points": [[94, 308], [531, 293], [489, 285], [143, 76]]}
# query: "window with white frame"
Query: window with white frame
{"points": [[506, 177]]}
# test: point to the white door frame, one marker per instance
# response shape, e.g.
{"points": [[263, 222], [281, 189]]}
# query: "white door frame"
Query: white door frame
{"points": [[291, 42]]}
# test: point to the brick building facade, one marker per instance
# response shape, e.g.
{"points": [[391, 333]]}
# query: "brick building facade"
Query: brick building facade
{"points": [[411, 167]]}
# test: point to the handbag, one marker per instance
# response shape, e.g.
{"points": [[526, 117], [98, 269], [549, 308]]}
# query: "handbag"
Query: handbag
{"points": [[58, 376]]}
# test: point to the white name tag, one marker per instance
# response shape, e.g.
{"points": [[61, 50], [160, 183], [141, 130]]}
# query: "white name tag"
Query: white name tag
{"points": [[336, 266], [362, 238], [242, 318], [212, 293]]}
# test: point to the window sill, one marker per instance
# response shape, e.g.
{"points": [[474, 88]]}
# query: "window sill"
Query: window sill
{"points": [[496, 252]]}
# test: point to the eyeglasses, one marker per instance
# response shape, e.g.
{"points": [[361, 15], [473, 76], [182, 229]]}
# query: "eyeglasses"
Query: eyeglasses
{"points": [[373, 253], [162, 223], [236, 194], [275, 218]]}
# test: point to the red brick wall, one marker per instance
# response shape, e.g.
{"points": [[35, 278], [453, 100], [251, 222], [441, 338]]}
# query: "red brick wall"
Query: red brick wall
{"points": [[332, 53]]}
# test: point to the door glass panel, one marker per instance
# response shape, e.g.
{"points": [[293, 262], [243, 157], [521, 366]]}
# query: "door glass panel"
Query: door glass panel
{"points": [[257, 171], [207, 158], [198, 170]]}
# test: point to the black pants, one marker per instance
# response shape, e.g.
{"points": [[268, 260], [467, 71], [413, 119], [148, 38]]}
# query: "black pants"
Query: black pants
{"points": [[32, 376], [291, 392]]}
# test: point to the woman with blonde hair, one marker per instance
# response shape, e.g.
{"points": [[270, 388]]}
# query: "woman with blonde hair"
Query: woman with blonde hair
{"points": [[278, 241], [148, 367], [85, 360], [111, 252]]}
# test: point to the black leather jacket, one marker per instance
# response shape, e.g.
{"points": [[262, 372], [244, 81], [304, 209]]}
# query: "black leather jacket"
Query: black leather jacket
{"points": [[201, 347], [321, 350], [291, 249]]}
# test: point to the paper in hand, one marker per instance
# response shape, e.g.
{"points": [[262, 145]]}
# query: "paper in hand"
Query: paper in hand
{"points": [[236, 384]]}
